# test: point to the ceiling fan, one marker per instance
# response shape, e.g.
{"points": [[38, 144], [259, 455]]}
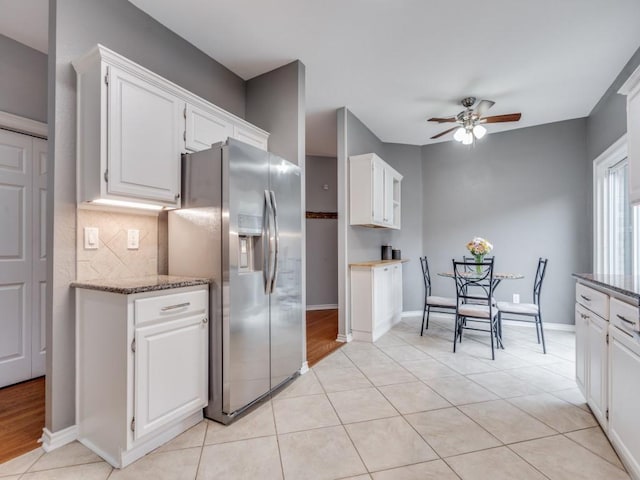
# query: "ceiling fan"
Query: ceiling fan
{"points": [[470, 120]]}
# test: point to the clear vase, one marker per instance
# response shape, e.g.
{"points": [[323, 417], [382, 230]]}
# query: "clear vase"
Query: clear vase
{"points": [[479, 260]]}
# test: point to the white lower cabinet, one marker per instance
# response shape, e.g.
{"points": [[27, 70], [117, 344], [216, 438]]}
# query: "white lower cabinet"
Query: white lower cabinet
{"points": [[142, 365], [597, 392], [582, 338], [624, 392], [376, 299], [608, 367]]}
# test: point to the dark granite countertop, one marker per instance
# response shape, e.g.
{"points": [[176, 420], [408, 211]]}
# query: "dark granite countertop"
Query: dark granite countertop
{"points": [[624, 284], [128, 286]]}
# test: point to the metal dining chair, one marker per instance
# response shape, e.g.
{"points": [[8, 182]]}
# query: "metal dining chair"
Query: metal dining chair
{"points": [[528, 310], [431, 301], [474, 292]]}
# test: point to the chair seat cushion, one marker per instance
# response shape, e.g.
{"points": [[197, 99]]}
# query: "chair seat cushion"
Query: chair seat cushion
{"points": [[434, 300], [478, 311], [518, 308]]}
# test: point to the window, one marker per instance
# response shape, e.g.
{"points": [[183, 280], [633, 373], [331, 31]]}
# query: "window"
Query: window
{"points": [[616, 222]]}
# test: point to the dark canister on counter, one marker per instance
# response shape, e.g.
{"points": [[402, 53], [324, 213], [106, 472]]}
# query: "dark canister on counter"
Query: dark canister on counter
{"points": [[386, 252], [395, 254]]}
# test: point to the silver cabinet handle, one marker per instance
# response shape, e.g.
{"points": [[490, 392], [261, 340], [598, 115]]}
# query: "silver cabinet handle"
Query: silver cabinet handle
{"points": [[625, 319], [176, 196], [174, 307], [585, 317], [586, 298], [385, 269], [205, 320]]}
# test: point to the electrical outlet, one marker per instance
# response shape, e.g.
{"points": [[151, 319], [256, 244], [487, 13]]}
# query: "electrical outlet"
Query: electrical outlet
{"points": [[133, 239], [516, 298], [91, 238]]}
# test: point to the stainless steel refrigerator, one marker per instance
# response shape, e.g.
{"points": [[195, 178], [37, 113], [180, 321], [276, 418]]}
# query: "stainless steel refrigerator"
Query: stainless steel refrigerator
{"points": [[240, 225]]}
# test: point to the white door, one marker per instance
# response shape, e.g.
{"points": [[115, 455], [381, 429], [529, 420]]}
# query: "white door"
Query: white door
{"points": [[581, 349], [15, 257], [597, 367], [39, 247], [204, 129], [144, 139], [624, 422], [170, 372]]}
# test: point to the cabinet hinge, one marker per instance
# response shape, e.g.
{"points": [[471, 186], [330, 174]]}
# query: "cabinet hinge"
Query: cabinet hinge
{"points": [[184, 112], [606, 414], [106, 77], [133, 345], [133, 424], [184, 135], [607, 339], [106, 175]]}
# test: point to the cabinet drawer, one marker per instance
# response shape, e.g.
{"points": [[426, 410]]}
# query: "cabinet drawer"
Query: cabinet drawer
{"points": [[170, 305], [595, 301], [624, 315]]}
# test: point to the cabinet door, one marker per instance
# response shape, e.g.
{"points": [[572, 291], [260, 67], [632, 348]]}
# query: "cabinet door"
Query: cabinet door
{"points": [[145, 127], [597, 367], [624, 422], [396, 286], [582, 328], [203, 129], [378, 192], [383, 296], [633, 145], [251, 137], [171, 362], [388, 198]]}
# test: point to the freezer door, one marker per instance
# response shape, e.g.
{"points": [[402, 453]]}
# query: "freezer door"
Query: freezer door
{"points": [[245, 340], [286, 296]]}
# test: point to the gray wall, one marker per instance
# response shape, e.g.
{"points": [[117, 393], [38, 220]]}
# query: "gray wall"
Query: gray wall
{"points": [[607, 122], [527, 192], [322, 234], [75, 27], [23, 80], [363, 242], [276, 103]]}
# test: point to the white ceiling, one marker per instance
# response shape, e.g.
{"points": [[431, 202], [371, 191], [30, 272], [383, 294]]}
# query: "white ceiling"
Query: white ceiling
{"points": [[395, 63], [26, 21]]}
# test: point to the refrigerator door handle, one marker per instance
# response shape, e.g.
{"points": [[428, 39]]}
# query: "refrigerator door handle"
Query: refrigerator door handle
{"points": [[274, 275], [266, 241]]}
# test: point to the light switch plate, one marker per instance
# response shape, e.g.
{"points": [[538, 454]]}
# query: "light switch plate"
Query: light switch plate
{"points": [[91, 238], [133, 239], [516, 298]]}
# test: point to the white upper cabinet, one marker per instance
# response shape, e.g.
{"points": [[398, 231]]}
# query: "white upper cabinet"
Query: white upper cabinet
{"points": [[204, 128], [632, 90], [207, 124], [374, 190], [143, 140], [133, 125]]}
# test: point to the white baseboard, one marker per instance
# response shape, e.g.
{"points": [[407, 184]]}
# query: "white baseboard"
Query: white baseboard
{"points": [[328, 306], [565, 327], [344, 338], [52, 440], [304, 368]]}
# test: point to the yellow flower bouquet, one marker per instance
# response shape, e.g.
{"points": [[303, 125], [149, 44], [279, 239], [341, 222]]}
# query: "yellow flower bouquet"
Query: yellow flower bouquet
{"points": [[479, 247]]}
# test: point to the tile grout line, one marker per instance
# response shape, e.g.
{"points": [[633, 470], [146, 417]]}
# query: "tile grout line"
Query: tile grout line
{"points": [[204, 441]]}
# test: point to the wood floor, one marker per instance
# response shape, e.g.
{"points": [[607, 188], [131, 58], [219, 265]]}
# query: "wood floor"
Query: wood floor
{"points": [[322, 330], [21, 418]]}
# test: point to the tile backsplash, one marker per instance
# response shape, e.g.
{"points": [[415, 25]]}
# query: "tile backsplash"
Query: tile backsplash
{"points": [[112, 259]]}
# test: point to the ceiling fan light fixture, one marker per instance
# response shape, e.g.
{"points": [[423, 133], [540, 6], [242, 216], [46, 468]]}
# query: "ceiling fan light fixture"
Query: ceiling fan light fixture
{"points": [[479, 131], [468, 138], [459, 135]]}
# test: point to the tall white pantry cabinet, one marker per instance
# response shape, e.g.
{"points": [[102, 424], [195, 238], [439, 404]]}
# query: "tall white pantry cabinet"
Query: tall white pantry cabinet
{"points": [[142, 368]]}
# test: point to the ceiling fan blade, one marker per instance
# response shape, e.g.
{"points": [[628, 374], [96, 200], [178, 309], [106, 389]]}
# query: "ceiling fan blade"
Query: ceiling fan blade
{"points": [[443, 120], [509, 117], [484, 106], [444, 133]]}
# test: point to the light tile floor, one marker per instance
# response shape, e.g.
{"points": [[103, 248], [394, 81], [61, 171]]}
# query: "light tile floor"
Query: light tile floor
{"points": [[404, 408]]}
